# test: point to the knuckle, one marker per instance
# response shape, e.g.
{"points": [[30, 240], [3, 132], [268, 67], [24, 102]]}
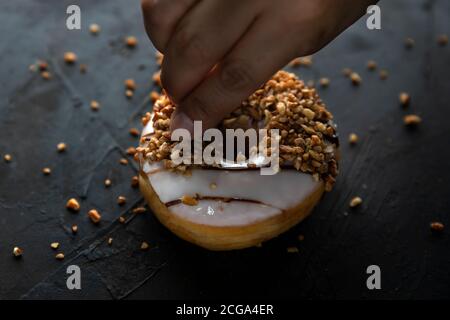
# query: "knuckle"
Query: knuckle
{"points": [[190, 46], [236, 75]]}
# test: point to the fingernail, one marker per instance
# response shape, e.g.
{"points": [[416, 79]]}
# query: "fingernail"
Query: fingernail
{"points": [[181, 120]]}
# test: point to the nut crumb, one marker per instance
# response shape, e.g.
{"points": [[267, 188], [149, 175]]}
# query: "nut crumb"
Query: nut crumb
{"points": [[131, 41], [94, 28], [46, 171], [61, 147], [95, 105], [108, 183], [73, 205], [213, 186], [442, 39], [60, 256], [135, 181], [139, 210], [129, 94], [54, 245], [70, 57], [404, 99], [130, 84], [74, 228], [188, 200], [134, 132], [110, 241], [7, 158], [122, 219], [324, 82], [409, 43], [355, 202], [46, 75], [144, 245], [123, 161], [383, 74], [371, 65], [412, 120], [352, 138], [94, 215], [355, 78], [437, 226], [154, 96], [121, 200], [17, 252]]}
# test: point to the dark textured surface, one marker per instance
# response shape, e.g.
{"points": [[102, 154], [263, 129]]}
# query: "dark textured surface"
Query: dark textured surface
{"points": [[402, 175]]}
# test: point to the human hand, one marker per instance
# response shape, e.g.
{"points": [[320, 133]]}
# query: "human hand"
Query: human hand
{"points": [[218, 52]]}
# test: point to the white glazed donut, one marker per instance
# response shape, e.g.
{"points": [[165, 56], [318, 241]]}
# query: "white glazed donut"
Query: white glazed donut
{"points": [[234, 208]]}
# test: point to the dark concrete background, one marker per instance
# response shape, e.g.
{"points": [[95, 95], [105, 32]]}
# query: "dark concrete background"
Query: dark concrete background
{"points": [[402, 175]]}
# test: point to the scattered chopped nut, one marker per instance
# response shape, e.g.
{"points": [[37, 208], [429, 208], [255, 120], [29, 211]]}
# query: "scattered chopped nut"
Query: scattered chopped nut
{"points": [[347, 72], [7, 157], [59, 256], [73, 205], [70, 57], [356, 78], [46, 171], [110, 241], [131, 151], [159, 58], [123, 161], [74, 229], [356, 201], [157, 78], [135, 181], [412, 120], [144, 245], [409, 43], [134, 132], [131, 41], [437, 226], [94, 216], [442, 40], [371, 65], [130, 84], [301, 61], [54, 245], [108, 183], [95, 105], [188, 200], [42, 65], [139, 210], [352, 138], [17, 252], [121, 200], [292, 250], [61, 147], [129, 94], [122, 219], [94, 28], [324, 82], [404, 99], [46, 75], [384, 74]]}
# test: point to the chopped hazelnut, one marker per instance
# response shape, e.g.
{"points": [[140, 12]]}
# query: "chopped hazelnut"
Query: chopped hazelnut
{"points": [[356, 201], [110, 241], [46, 171], [144, 245], [73, 205], [95, 105], [135, 181], [442, 40], [121, 200], [108, 183], [42, 65], [404, 99], [188, 200], [94, 28], [324, 82], [59, 256], [94, 216], [7, 158], [131, 41], [131, 151], [134, 132], [437, 226], [139, 210], [17, 252], [46, 75], [74, 228], [353, 138], [129, 94], [213, 186], [412, 120], [371, 65], [54, 245], [122, 219], [154, 96], [383, 74], [70, 57], [61, 147], [130, 84], [157, 78], [356, 78], [123, 161]]}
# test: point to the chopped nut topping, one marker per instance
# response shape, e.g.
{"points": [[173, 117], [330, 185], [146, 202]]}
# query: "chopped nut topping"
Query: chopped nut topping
{"points": [[131, 41], [409, 43], [135, 181], [134, 132], [353, 138], [74, 229], [61, 147], [70, 57], [7, 158], [17, 252], [442, 40], [356, 78], [129, 94], [292, 250], [437, 226], [188, 200], [46, 171], [46, 75], [94, 28], [139, 210], [123, 161], [110, 241], [94, 216], [59, 256], [131, 151], [122, 219], [54, 245], [108, 183], [404, 99], [144, 245], [130, 84], [73, 205], [412, 120], [383, 74], [371, 65], [324, 82], [95, 105], [121, 200], [356, 201]]}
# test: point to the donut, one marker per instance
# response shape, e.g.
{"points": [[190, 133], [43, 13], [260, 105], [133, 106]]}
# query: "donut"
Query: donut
{"points": [[222, 207]]}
